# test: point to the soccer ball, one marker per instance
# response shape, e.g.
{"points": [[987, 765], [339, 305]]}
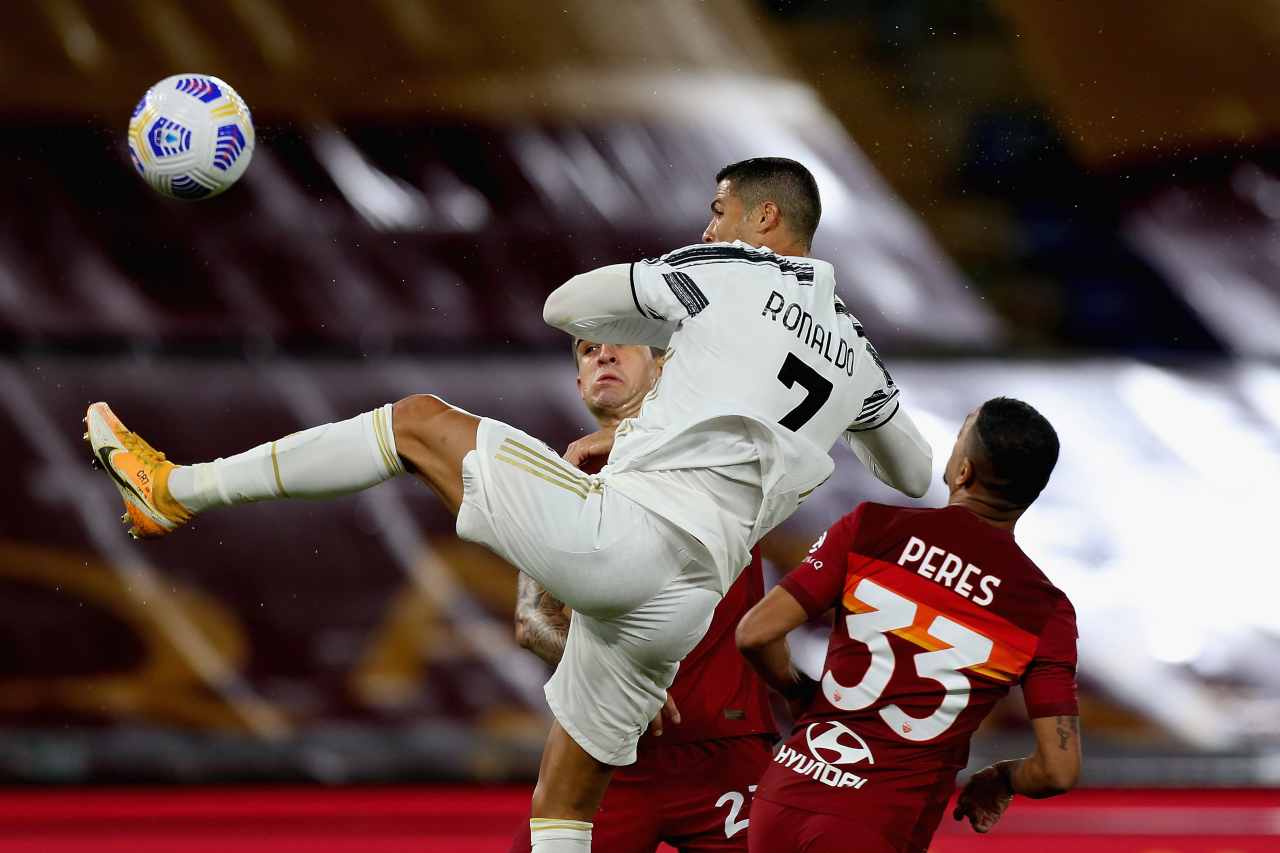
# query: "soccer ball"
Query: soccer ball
{"points": [[191, 136]]}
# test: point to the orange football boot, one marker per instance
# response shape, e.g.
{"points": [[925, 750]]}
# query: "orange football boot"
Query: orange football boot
{"points": [[139, 472]]}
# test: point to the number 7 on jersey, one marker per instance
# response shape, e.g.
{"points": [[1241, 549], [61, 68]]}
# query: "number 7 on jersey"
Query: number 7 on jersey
{"points": [[796, 371]]}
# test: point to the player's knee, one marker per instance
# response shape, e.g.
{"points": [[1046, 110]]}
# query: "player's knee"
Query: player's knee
{"points": [[411, 416]]}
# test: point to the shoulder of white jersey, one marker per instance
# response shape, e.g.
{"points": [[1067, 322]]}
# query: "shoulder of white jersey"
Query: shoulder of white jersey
{"points": [[842, 309], [737, 252]]}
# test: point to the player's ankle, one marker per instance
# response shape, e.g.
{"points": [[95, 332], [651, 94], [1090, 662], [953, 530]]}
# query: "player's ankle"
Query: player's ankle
{"points": [[163, 497]]}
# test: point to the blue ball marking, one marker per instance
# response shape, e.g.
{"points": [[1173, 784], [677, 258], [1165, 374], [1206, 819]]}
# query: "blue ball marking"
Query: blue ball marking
{"points": [[183, 186], [168, 138], [230, 145]]}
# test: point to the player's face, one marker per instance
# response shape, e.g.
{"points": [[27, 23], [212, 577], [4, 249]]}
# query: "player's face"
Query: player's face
{"points": [[728, 217], [614, 379], [959, 457]]}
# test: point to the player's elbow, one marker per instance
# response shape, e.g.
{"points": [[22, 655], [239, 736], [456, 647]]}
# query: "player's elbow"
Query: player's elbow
{"points": [[902, 450], [750, 635], [553, 311], [916, 482], [915, 472], [1053, 789], [1062, 778], [556, 310], [1056, 777]]}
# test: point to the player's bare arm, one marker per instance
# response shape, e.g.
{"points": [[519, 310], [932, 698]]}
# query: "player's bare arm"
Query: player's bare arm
{"points": [[762, 639], [542, 623], [1054, 767], [1051, 770]]}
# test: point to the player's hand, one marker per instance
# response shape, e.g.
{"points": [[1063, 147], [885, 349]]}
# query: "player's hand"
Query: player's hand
{"points": [[591, 451], [670, 711], [984, 799]]}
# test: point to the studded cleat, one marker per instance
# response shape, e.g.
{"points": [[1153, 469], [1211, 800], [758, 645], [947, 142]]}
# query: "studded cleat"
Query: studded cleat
{"points": [[139, 471]]}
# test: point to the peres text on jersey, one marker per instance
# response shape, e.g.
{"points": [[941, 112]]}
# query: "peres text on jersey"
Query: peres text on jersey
{"points": [[951, 568]]}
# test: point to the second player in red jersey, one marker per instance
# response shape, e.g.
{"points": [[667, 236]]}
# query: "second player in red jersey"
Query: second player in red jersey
{"points": [[691, 785], [938, 613]]}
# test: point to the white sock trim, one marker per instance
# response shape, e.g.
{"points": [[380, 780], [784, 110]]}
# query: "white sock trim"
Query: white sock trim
{"points": [[385, 438], [321, 462], [560, 835]]}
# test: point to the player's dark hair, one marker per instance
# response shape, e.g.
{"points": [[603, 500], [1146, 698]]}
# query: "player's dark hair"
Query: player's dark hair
{"points": [[1021, 447], [784, 182]]}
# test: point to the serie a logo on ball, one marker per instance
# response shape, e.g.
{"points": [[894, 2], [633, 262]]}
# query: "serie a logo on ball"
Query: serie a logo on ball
{"points": [[191, 136]]}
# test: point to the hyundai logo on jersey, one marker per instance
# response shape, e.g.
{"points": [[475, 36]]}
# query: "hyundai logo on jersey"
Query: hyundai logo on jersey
{"points": [[831, 745]]}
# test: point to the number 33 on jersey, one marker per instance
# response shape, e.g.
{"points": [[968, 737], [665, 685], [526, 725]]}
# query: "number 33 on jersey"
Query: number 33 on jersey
{"points": [[936, 613], [881, 600]]}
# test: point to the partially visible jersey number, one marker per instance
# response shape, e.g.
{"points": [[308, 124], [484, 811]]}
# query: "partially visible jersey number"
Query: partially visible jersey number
{"points": [[794, 370], [892, 612], [735, 800]]}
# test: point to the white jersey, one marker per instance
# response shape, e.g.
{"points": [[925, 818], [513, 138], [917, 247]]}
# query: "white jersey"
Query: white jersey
{"points": [[765, 370]]}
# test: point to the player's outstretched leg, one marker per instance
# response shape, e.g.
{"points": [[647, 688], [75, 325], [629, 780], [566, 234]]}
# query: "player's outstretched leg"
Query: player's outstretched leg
{"points": [[422, 434]]}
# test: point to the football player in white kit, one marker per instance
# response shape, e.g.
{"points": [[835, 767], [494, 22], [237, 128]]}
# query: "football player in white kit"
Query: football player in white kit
{"points": [[766, 370]]}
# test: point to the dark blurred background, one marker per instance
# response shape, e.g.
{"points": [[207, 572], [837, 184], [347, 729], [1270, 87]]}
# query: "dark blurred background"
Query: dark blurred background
{"points": [[1075, 204]]}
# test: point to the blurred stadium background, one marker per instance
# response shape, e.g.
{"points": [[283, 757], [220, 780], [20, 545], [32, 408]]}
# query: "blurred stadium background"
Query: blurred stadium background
{"points": [[1076, 204]]}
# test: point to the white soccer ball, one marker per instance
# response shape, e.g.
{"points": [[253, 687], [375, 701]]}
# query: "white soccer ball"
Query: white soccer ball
{"points": [[191, 136]]}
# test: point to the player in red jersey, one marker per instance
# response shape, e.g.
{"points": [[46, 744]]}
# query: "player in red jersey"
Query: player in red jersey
{"points": [[938, 613], [691, 783]]}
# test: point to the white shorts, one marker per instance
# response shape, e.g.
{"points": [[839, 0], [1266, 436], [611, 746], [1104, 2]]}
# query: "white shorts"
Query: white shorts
{"points": [[640, 603], [613, 678]]}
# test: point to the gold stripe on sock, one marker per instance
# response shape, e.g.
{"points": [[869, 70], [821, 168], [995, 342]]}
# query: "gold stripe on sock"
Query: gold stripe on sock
{"points": [[558, 823], [380, 429], [275, 466], [517, 463], [376, 418], [377, 435], [389, 431]]}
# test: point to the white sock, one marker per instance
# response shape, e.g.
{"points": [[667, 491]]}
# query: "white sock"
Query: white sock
{"points": [[321, 462], [560, 835]]}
